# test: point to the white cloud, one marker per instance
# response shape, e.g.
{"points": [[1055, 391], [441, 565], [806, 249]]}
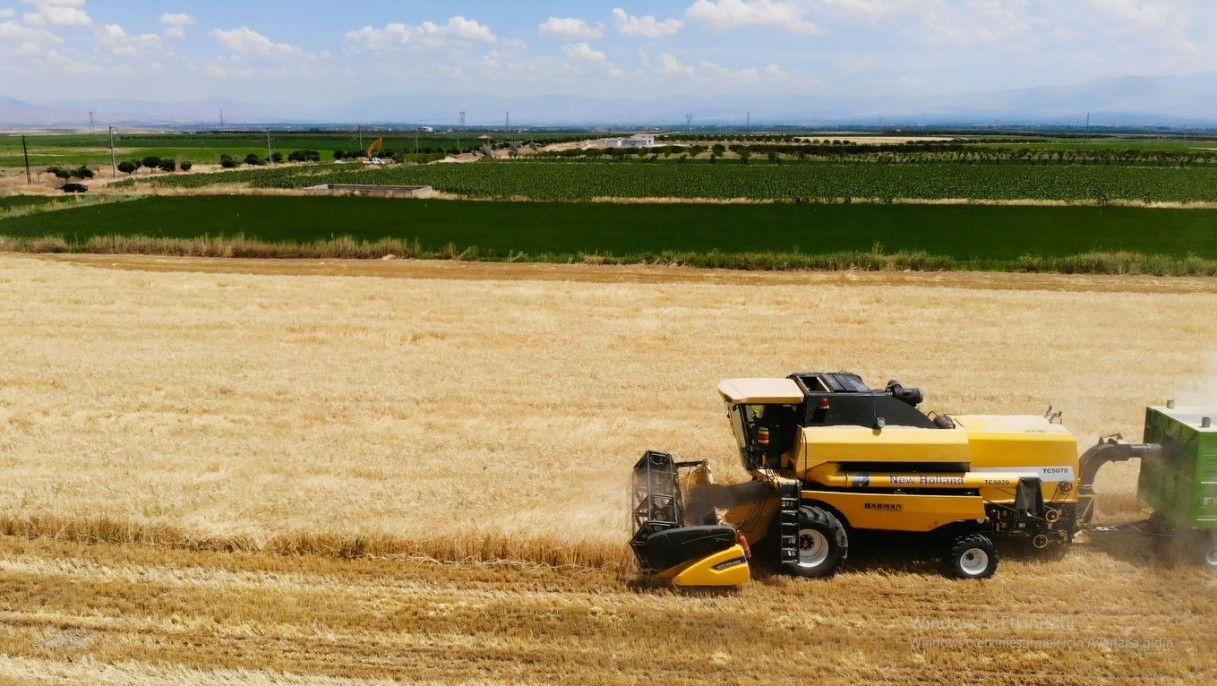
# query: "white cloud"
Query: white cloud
{"points": [[57, 13], [7, 14], [730, 14], [873, 8], [584, 52], [670, 65], [775, 73], [718, 72], [570, 28], [425, 35], [24, 41], [117, 41], [246, 41], [1146, 15], [69, 66], [645, 27], [176, 24], [977, 22]]}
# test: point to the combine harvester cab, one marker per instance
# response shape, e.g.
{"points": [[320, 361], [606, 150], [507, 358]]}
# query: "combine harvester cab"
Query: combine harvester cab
{"points": [[830, 458]]}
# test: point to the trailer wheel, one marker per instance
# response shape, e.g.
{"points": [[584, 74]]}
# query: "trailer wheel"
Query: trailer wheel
{"points": [[822, 544], [1208, 548], [972, 556]]}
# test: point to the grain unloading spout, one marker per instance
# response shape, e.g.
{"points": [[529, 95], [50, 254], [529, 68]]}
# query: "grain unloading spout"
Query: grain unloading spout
{"points": [[1108, 449]]}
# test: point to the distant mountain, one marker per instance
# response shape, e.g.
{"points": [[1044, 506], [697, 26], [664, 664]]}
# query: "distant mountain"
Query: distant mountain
{"points": [[1133, 100]]}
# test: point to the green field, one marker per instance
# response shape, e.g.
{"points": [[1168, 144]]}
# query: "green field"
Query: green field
{"points": [[731, 179], [13, 202], [966, 236], [206, 148]]}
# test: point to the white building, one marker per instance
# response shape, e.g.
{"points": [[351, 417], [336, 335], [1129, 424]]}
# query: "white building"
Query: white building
{"points": [[639, 140]]}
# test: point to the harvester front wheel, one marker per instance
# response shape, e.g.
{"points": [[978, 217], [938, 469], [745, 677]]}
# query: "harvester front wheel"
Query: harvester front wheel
{"points": [[972, 556], [822, 544]]}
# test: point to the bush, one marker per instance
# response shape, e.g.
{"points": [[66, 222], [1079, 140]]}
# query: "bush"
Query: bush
{"points": [[128, 167], [276, 157], [167, 166], [186, 165], [253, 160], [227, 162], [151, 162], [304, 156]]}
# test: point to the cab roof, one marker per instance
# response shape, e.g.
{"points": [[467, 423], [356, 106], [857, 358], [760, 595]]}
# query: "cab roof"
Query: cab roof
{"points": [[761, 391]]}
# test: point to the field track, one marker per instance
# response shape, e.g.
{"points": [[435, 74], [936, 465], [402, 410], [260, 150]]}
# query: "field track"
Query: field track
{"points": [[191, 450]]}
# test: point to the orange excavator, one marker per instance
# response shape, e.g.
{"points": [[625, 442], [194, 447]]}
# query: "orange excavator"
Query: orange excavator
{"points": [[376, 146]]}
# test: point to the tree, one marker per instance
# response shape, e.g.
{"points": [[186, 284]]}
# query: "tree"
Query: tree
{"points": [[186, 165], [338, 155], [59, 172], [83, 172], [718, 149], [168, 166], [253, 160], [151, 161], [228, 162], [128, 167], [277, 158]]}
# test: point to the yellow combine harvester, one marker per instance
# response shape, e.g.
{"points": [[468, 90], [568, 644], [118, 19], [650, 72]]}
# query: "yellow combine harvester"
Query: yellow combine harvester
{"points": [[832, 459]]}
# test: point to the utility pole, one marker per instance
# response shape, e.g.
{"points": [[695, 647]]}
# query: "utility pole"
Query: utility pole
{"points": [[221, 117], [689, 123], [747, 126], [360, 129], [113, 159], [92, 128], [29, 180], [415, 140], [268, 152]]}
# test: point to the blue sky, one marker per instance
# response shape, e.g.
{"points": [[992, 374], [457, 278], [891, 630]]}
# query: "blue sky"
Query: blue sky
{"points": [[274, 50]]}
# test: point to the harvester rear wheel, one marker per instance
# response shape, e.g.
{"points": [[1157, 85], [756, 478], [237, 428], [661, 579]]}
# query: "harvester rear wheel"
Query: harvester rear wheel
{"points": [[972, 556], [822, 544]]}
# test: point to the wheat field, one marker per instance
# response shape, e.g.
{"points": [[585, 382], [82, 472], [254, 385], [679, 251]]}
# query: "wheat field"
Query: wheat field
{"points": [[228, 471]]}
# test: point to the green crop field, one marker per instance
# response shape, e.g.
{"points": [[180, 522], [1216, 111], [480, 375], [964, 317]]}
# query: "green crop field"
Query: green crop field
{"points": [[730, 179], [967, 236], [14, 202], [206, 148]]}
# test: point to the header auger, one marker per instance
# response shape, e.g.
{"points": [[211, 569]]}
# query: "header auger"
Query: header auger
{"points": [[832, 459]]}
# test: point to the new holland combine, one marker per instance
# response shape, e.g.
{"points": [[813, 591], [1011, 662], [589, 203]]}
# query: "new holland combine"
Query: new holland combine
{"points": [[833, 460]]}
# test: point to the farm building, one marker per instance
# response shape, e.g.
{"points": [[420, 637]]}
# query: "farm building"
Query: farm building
{"points": [[640, 140]]}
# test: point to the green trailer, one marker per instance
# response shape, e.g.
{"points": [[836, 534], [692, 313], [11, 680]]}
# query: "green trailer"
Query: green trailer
{"points": [[1179, 481]]}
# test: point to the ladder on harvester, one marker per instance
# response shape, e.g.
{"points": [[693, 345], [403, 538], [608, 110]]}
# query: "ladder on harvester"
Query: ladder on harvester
{"points": [[788, 523]]}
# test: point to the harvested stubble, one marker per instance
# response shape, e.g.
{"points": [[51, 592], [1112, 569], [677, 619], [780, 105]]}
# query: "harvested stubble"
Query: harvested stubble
{"points": [[484, 420], [209, 415]]}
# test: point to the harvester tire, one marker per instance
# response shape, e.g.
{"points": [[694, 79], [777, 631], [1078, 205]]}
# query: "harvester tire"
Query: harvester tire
{"points": [[972, 556], [822, 544]]}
